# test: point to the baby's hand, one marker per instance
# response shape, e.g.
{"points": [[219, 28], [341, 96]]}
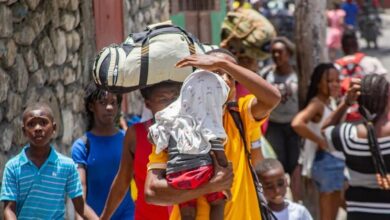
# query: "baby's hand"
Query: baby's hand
{"points": [[223, 176], [228, 194]]}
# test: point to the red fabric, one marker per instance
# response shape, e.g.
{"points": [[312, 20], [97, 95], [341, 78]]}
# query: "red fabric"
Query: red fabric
{"points": [[241, 91], [353, 114], [346, 73], [192, 179], [143, 148]]}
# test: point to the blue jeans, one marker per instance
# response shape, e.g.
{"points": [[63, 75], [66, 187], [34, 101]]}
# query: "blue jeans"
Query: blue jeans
{"points": [[328, 172]]}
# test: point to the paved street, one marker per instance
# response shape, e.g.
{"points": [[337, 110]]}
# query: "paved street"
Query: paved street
{"points": [[383, 53]]}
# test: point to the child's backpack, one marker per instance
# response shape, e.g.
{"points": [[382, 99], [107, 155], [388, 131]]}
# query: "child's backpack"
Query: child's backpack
{"points": [[247, 32], [350, 68], [145, 58]]}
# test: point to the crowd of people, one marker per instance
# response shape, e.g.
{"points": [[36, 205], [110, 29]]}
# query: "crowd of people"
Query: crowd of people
{"points": [[200, 155]]}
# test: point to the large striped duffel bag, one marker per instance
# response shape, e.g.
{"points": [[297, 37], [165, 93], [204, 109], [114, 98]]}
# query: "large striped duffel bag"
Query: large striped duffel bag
{"points": [[145, 58]]}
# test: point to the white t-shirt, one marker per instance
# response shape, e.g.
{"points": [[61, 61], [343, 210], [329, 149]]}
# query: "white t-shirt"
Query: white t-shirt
{"points": [[293, 211]]}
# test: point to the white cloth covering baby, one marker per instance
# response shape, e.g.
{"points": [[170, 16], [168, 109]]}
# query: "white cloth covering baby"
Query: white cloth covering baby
{"points": [[195, 118]]}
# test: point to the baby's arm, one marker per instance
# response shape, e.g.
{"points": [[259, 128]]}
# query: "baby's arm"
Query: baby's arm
{"points": [[218, 149]]}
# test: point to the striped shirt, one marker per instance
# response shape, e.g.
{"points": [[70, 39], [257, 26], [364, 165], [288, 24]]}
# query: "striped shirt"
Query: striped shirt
{"points": [[363, 194], [40, 193]]}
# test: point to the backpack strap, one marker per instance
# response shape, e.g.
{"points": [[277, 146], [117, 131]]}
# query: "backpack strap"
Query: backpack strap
{"points": [[358, 57], [265, 211], [87, 145], [234, 112], [350, 65]]}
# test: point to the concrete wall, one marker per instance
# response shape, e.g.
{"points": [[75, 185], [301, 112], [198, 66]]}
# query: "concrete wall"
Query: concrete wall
{"points": [[137, 15], [46, 48]]}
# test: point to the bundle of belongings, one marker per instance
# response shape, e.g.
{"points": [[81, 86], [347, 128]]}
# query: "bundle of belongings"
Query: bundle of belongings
{"points": [[146, 58], [246, 32], [149, 57]]}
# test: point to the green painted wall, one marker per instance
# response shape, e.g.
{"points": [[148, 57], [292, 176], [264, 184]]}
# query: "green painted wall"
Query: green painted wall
{"points": [[179, 19], [216, 22]]}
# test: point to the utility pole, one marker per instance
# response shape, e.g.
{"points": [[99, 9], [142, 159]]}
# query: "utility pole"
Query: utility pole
{"points": [[310, 35]]}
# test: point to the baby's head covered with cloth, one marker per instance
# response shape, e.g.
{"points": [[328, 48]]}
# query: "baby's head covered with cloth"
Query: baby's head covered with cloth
{"points": [[195, 117]]}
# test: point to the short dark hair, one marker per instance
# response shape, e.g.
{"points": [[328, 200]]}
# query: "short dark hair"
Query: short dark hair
{"points": [[36, 106], [290, 46], [223, 51], [349, 36], [148, 91], [92, 94], [267, 165]]}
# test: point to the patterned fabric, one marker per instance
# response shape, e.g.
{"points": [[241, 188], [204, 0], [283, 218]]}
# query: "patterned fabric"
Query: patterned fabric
{"points": [[40, 193], [363, 194], [195, 117], [192, 179], [244, 204]]}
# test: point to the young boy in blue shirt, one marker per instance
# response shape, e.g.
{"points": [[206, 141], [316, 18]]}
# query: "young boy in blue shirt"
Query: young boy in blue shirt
{"points": [[36, 181]]}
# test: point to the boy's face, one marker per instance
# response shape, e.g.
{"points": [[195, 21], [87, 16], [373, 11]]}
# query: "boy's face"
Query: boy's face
{"points": [[274, 185], [38, 127], [161, 97], [105, 109]]}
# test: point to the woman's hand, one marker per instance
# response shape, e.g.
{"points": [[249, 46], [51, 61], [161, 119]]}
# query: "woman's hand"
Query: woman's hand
{"points": [[223, 177], [201, 61], [322, 144], [353, 91], [383, 181]]}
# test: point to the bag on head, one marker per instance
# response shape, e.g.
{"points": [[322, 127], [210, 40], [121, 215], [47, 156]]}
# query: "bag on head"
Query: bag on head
{"points": [[145, 58], [247, 32]]}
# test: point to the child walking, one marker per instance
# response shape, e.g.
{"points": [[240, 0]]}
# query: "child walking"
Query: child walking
{"points": [[189, 129], [101, 145], [273, 178], [36, 181]]}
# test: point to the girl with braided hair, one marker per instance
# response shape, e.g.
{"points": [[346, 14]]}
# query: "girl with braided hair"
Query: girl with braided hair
{"points": [[366, 146], [326, 169], [98, 152]]}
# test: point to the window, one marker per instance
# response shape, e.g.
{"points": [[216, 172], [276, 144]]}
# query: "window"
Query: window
{"points": [[193, 5]]}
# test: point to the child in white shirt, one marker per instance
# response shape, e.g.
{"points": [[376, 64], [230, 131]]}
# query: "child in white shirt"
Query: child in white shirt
{"points": [[273, 178]]}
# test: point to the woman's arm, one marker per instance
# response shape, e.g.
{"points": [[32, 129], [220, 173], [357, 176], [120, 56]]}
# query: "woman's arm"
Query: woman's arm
{"points": [[10, 210], [83, 178], [351, 97], [120, 185], [81, 210], [158, 192], [267, 96], [300, 121], [256, 156]]}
